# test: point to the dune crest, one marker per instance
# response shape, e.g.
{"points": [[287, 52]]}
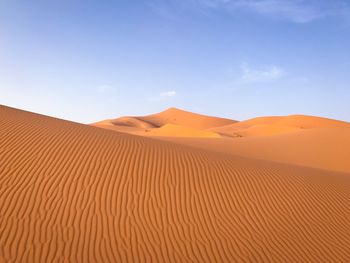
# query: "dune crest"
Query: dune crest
{"points": [[186, 118], [76, 193], [265, 126], [170, 116]]}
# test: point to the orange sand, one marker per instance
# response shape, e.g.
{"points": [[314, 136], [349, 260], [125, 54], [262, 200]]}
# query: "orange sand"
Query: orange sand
{"points": [[263, 126], [178, 118], [296, 139], [76, 193], [326, 148], [178, 131]]}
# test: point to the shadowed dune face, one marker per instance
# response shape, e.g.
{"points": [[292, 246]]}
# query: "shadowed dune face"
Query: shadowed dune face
{"points": [[132, 122], [71, 192]]}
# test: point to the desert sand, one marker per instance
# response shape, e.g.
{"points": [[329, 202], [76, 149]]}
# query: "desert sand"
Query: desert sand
{"points": [[76, 193], [326, 148], [263, 126], [179, 123], [302, 140]]}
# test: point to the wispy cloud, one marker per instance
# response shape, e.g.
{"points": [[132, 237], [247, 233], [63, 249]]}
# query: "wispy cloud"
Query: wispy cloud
{"points": [[293, 10], [163, 96], [264, 74], [247, 75], [297, 11], [168, 94]]}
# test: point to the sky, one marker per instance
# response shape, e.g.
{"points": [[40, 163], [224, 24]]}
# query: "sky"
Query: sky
{"points": [[88, 60]]}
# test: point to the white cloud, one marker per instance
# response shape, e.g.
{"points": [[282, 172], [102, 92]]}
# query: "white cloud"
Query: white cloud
{"points": [[265, 74], [168, 94]]}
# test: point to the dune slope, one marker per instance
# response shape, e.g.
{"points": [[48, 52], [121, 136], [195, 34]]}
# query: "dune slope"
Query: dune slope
{"points": [[178, 131], [322, 148], [186, 118], [76, 193], [172, 116], [265, 126]]}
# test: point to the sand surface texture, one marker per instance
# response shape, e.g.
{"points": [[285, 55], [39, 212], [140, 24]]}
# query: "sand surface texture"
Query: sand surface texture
{"points": [[75, 193]]}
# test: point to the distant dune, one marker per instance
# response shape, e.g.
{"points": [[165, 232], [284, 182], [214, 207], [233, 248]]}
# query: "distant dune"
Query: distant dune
{"points": [[75, 193], [263, 126], [179, 131], [141, 125], [295, 139], [325, 148], [185, 118]]}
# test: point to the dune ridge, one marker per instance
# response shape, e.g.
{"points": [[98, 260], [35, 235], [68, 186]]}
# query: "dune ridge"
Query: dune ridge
{"points": [[142, 125], [265, 126], [186, 118], [71, 192]]}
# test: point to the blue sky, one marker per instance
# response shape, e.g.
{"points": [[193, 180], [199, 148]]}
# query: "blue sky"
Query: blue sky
{"points": [[91, 60]]}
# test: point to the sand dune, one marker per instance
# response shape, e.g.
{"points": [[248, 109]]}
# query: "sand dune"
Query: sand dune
{"points": [[107, 124], [134, 122], [296, 139], [256, 130], [324, 148], [75, 193], [172, 130], [178, 131], [263, 126], [170, 116], [130, 125], [186, 118]]}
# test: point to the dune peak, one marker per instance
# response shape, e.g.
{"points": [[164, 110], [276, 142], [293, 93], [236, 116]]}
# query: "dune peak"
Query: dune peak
{"points": [[174, 110]]}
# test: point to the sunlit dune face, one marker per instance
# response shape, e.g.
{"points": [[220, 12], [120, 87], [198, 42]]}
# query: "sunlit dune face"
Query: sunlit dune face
{"points": [[297, 139], [72, 192]]}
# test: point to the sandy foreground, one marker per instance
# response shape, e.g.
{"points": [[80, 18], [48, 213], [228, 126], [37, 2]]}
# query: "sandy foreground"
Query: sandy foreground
{"points": [[76, 193]]}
